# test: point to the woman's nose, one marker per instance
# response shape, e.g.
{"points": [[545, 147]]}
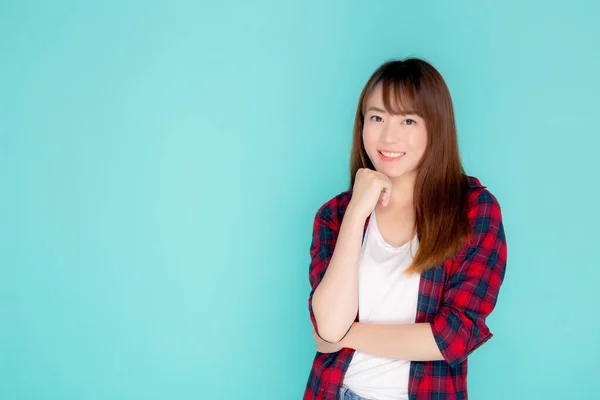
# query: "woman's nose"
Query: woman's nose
{"points": [[389, 135]]}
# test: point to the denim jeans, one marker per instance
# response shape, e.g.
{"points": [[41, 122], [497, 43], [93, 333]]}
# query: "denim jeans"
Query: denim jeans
{"points": [[347, 394]]}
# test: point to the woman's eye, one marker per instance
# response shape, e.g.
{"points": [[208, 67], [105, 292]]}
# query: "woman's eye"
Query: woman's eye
{"points": [[411, 120], [376, 118]]}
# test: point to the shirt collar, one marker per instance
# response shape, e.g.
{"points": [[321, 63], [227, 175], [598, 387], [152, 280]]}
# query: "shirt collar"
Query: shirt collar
{"points": [[475, 183]]}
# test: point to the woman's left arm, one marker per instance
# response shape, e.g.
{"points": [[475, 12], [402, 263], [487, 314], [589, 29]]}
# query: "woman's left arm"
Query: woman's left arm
{"points": [[470, 295], [398, 341]]}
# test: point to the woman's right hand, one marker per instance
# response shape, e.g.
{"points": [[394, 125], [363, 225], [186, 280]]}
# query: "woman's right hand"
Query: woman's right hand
{"points": [[370, 187]]}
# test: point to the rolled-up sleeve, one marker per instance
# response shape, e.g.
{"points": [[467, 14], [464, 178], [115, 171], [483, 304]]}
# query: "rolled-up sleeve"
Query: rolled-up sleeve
{"points": [[471, 292], [324, 237]]}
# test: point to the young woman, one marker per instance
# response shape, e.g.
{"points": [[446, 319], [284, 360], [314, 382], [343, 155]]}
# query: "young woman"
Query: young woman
{"points": [[408, 262]]}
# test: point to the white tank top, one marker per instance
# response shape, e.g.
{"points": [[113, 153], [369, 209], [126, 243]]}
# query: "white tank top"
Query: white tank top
{"points": [[384, 296]]}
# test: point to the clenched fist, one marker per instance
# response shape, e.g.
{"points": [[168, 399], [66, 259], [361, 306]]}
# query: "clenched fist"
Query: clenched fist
{"points": [[370, 187]]}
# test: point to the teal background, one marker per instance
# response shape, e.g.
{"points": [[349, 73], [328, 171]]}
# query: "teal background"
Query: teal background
{"points": [[161, 164]]}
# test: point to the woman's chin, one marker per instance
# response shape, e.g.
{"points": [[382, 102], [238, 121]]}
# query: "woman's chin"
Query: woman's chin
{"points": [[396, 175]]}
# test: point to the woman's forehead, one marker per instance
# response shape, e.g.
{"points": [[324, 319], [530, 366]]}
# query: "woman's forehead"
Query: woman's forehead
{"points": [[392, 101]]}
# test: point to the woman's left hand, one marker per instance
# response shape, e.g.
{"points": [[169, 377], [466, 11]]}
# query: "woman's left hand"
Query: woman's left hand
{"points": [[325, 347]]}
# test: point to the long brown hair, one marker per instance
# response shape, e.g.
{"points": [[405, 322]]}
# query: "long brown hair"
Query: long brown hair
{"points": [[441, 185]]}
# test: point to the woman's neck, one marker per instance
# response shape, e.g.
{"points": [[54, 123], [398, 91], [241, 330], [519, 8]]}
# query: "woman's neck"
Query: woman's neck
{"points": [[403, 188]]}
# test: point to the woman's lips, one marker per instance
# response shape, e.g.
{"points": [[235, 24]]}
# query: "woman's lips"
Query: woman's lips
{"points": [[391, 156]]}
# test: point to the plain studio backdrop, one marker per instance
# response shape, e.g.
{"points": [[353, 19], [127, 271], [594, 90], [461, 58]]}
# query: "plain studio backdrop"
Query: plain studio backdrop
{"points": [[161, 164]]}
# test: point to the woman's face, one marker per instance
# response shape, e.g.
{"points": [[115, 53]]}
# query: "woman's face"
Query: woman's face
{"points": [[394, 143]]}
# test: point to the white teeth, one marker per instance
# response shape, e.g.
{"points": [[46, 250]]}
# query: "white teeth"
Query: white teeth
{"points": [[392, 155]]}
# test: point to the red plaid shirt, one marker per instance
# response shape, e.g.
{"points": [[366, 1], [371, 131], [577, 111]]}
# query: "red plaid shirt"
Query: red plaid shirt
{"points": [[455, 300]]}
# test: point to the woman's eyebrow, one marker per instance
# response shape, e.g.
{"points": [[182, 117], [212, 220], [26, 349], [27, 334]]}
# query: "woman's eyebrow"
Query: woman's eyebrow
{"points": [[376, 109], [403, 113]]}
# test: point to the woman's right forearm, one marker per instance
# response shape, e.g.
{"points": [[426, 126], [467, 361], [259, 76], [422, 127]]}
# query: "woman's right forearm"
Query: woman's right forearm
{"points": [[335, 300]]}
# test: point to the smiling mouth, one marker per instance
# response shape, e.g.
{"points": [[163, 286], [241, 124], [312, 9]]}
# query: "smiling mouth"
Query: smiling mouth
{"points": [[391, 155]]}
